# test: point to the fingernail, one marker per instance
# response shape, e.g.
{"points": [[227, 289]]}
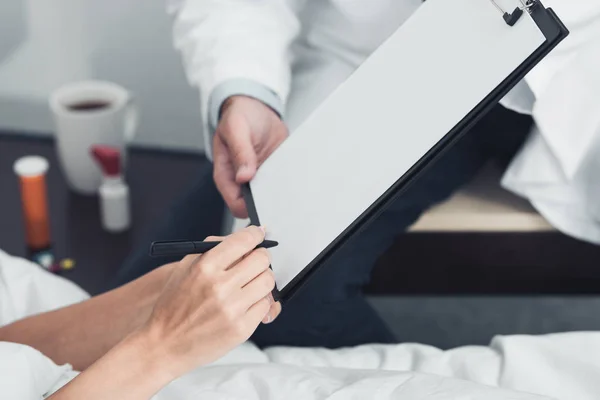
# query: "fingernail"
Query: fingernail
{"points": [[268, 319], [262, 228], [243, 169]]}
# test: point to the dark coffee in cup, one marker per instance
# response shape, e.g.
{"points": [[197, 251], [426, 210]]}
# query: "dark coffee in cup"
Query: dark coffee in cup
{"points": [[89, 105]]}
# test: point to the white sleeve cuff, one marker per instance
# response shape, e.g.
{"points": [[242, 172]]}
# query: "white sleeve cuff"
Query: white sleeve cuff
{"points": [[239, 87]]}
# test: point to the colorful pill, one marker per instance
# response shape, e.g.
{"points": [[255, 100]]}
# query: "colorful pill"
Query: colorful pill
{"points": [[67, 264]]}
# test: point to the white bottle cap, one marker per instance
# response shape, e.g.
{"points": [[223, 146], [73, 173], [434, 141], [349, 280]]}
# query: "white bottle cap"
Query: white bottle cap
{"points": [[29, 166]]}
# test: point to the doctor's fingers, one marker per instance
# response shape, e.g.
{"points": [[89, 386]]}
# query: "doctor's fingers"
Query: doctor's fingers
{"points": [[232, 249], [272, 142], [224, 177], [237, 137]]}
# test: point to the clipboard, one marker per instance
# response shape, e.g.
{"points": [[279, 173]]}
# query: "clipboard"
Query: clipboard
{"points": [[301, 188]]}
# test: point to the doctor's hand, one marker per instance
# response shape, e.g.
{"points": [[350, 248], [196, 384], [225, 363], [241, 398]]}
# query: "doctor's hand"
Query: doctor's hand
{"points": [[214, 302], [247, 134]]}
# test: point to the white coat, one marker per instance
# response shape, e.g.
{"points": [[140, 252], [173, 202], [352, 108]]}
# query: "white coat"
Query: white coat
{"points": [[303, 49]]}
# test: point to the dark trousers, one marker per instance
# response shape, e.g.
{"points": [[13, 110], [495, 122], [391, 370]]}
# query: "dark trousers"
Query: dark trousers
{"points": [[330, 310]]}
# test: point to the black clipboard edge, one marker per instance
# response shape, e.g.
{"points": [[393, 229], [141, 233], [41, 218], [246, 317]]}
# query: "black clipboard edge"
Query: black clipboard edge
{"points": [[250, 206], [254, 220], [554, 31]]}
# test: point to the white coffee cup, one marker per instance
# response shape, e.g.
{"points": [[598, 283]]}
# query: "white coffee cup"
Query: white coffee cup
{"points": [[88, 113]]}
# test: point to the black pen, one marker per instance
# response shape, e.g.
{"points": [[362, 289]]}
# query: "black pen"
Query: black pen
{"points": [[186, 247]]}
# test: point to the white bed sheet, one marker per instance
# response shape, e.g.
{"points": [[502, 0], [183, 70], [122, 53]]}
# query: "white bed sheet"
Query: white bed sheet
{"points": [[561, 366]]}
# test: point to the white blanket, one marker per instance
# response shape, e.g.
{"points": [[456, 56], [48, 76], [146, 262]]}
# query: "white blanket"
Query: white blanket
{"points": [[561, 366]]}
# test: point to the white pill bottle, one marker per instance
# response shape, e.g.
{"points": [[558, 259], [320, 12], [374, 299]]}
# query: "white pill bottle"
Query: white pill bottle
{"points": [[114, 193]]}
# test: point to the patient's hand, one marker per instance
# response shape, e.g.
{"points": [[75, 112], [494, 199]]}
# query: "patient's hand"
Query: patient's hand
{"points": [[214, 302], [210, 304]]}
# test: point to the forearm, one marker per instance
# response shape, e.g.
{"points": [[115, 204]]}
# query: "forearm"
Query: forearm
{"points": [[228, 39], [132, 370], [82, 333]]}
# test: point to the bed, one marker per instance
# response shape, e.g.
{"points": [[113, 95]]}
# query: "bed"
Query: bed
{"points": [[557, 366]]}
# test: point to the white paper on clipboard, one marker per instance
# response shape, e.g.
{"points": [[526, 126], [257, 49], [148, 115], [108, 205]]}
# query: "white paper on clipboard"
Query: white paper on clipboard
{"points": [[370, 131]]}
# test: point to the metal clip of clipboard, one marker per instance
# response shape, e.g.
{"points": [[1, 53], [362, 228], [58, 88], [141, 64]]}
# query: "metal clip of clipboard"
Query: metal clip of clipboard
{"points": [[512, 18]]}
